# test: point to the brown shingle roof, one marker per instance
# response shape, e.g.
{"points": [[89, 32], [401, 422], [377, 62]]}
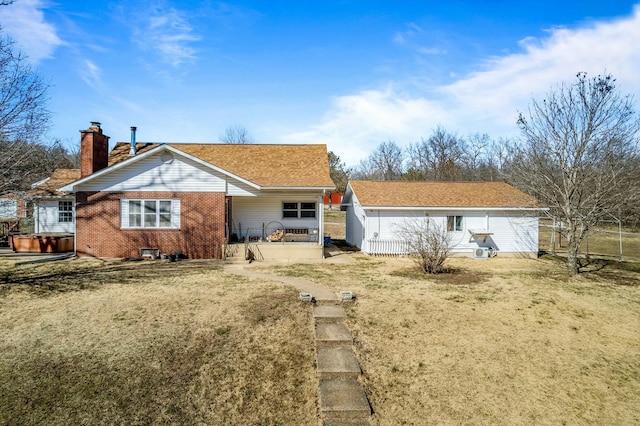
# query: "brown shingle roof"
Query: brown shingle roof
{"points": [[264, 165], [59, 177], [440, 194]]}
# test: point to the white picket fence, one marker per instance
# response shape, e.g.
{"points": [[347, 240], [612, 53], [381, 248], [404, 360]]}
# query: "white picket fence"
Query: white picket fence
{"points": [[379, 247]]}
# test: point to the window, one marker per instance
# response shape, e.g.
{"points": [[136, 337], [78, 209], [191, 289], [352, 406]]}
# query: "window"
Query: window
{"points": [[307, 209], [454, 223], [303, 210], [65, 211], [290, 210], [150, 213]]}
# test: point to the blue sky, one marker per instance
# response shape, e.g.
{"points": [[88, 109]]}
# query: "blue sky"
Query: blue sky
{"points": [[350, 74]]}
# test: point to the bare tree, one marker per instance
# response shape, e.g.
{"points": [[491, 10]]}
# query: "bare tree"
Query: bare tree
{"points": [[23, 163], [236, 135], [23, 96], [579, 148], [474, 159], [384, 163], [429, 241], [24, 118], [438, 158]]}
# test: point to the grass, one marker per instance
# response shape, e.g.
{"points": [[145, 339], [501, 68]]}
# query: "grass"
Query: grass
{"points": [[501, 341], [603, 241], [87, 342], [335, 224]]}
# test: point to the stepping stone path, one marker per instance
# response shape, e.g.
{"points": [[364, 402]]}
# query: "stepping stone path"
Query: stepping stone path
{"points": [[342, 398], [343, 401]]}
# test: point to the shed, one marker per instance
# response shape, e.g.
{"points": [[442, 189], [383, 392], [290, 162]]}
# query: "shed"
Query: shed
{"points": [[479, 216]]}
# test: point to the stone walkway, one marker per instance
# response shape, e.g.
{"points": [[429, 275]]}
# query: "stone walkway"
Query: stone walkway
{"points": [[342, 398]]}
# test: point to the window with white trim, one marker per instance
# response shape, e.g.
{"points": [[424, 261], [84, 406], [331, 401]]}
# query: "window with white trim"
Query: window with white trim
{"points": [[299, 210], [454, 223], [150, 213], [65, 211]]}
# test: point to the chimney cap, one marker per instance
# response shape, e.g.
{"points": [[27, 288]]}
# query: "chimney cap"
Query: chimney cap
{"points": [[95, 124], [134, 128]]}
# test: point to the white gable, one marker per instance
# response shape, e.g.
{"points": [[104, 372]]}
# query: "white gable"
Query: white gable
{"points": [[163, 171]]}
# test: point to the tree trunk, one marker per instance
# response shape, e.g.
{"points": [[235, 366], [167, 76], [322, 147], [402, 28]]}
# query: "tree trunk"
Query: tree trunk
{"points": [[573, 247]]}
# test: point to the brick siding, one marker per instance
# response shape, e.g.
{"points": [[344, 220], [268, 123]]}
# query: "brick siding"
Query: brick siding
{"points": [[201, 233]]}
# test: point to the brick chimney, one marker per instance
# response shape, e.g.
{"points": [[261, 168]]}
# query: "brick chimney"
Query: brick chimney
{"points": [[94, 150]]}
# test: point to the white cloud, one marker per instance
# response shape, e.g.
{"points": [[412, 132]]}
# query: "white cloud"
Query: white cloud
{"points": [[358, 123], [508, 83], [24, 22], [169, 33], [91, 74], [485, 101]]}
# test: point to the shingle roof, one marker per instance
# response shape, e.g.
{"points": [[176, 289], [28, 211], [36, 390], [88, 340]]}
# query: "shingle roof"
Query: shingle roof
{"points": [[262, 164], [440, 194], [59, 178]]}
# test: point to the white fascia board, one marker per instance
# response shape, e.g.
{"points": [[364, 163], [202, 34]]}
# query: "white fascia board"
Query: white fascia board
{"points": [[40, 182], [454, 208], [125, 163]]}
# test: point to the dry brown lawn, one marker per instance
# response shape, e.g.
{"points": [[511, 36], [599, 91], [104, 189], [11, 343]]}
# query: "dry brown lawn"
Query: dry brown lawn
{"points": [[500, 341], [335, 224], [91, 342]]}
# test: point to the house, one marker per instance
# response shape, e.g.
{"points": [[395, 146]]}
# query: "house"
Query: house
{"points": [[480, 217], [13, 208], [198, 199], [13, 205], [53, 210]]}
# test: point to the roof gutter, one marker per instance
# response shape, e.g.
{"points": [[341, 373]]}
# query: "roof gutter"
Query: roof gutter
{"points": [[457, 208]]}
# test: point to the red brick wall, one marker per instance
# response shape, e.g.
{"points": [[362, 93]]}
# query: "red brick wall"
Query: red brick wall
{"points": [[200, 236]]}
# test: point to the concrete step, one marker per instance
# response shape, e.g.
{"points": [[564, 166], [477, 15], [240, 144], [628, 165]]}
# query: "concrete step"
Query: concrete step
{"points": [[337, 363], [332, 334], [327, 300], [328, 313], [343, 399], [346, 422]]}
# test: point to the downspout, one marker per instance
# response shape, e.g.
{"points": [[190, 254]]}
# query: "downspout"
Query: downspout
{"points": [[321, 220], [364, 233], [75, 224], [36, 214]]}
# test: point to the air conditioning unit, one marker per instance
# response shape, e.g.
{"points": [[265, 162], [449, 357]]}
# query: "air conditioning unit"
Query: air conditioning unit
{"points": [[481, 253]]}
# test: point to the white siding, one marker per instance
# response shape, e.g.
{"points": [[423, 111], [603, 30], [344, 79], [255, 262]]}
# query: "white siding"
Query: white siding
{"points": [[515, 233], [240, 189], [47, 218], [251, 214], [512, 231], [153, 174], [355, 217]]}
